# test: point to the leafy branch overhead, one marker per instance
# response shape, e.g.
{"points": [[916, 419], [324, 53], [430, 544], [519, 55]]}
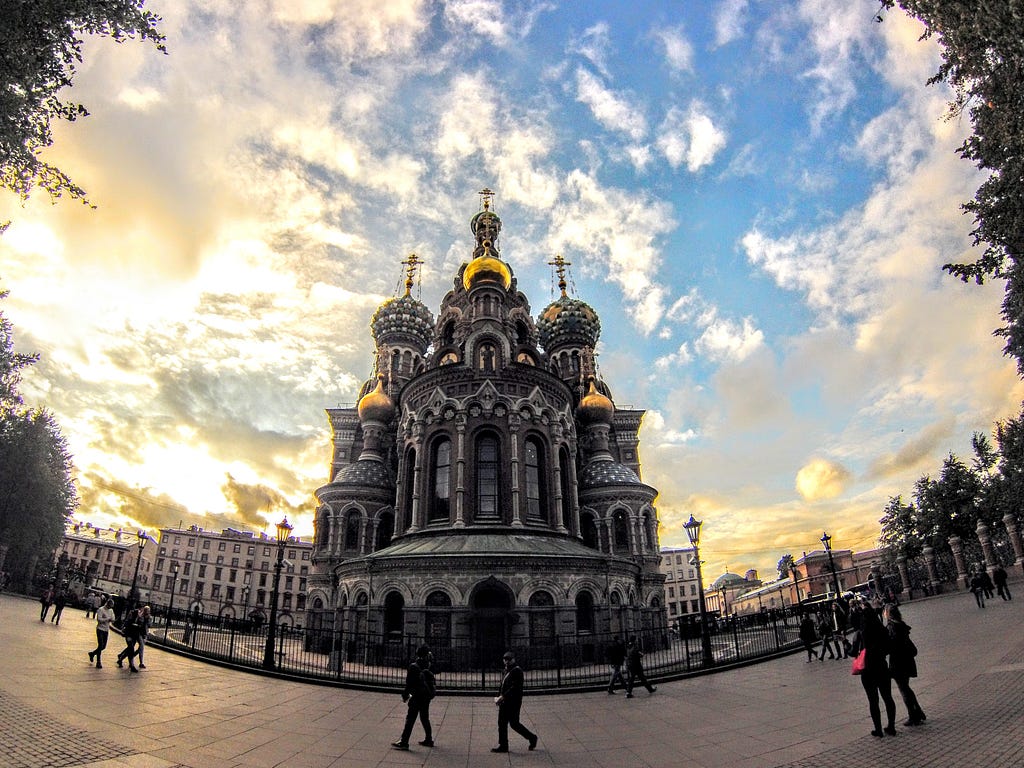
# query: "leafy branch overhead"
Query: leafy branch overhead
{"points": [[40, 49]]}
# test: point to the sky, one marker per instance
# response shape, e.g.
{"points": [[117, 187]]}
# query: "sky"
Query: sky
{"points": [[756, 197]]}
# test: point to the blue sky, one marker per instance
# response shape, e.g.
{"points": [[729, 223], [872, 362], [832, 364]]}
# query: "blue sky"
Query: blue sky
{"points": [[757, 198]]}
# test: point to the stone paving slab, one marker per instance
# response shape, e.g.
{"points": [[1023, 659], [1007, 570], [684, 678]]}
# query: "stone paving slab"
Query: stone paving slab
{"points": [[57, 710]]}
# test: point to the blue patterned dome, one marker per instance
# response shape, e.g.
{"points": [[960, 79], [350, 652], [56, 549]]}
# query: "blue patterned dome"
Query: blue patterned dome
{"points": [[368, 474], [403, 319], [568, 322], [599, 473]]}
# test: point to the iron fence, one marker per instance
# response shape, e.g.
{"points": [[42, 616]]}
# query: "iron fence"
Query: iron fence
{"points": [[380, 661]]}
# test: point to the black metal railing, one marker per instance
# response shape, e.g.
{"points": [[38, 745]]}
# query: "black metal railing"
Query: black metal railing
{"points": [[380, 661]]}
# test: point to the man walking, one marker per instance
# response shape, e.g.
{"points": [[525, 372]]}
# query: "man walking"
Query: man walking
{"points": [[999, 577], [635, 665], [419, 690], [509, 702], [616, 655]]}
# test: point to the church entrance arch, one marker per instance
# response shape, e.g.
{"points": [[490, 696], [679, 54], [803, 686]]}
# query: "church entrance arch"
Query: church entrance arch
{"points": [[490, 606]]}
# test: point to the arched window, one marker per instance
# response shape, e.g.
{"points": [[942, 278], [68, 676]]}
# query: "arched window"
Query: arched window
{"points": [[320, 536], [440, 481], [448, 334], [487, 462], [542, 618], [394, 612], [352, 531], [407, 488], [620, 525], [589, 531], [536, 490], [438, 628], [385, 530], [584, 611], [563, 472]]}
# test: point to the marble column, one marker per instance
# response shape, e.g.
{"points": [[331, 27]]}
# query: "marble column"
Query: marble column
{"points": [[986, 546], [1013, 531], [957, 545], [933, 574], [901, 565]]}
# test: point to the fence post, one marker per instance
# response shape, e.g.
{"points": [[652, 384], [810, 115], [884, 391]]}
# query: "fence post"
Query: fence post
{"points": [[736, 636], [231, 642], [558, 666]]}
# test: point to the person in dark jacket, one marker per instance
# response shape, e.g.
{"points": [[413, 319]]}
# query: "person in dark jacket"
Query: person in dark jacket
{"points": [[978, 588], [616, 656], [808, 636], [635, 668], [874, 641], [999, 577], [902, 664], [418, 691], [509, 702], [131, 628]]}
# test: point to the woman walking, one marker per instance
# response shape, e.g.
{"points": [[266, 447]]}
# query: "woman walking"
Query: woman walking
{"points": [[104, 616], [902, 665], [874, 641]]}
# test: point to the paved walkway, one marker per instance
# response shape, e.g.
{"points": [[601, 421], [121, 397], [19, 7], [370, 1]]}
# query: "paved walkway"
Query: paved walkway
{"points": [[57, 710]]}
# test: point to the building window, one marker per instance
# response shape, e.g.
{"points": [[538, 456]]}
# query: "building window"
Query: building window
{"points": [[394, 609], [352, 532], [584, 612], [206, 543], [156, 582], [218, 573], [236, 548], [188, 569], [202, 571], [671, 591], [536, 493], [221, 545], [563, 473], [487, 462], [589, 531], [621, 528], [438, 628], [385, 530], [440, 481], [542, 618]]}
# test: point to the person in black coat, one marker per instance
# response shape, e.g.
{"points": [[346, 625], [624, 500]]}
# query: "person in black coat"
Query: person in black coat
{"points": [[616, 656], [635, 668], [509, 701], [902, 664], [132, 629], [999, 577], [418, 691], [808, 636], [874, 640]]}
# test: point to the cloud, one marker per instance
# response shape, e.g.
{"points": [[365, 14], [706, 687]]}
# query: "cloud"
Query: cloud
{"points": [[729, 21], [612, 110], [678, 49], [690, 137], [594, 45], [914, 454], [822, 479], [724, 339]]}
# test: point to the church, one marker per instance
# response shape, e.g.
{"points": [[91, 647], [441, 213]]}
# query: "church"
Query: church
{"points": [[485, 492]]}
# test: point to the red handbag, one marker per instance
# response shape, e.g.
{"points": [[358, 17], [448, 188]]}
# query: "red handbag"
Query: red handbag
{"points": [[859, 663]]}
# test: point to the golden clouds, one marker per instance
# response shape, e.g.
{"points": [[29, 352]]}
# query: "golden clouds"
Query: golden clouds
{"points": [[821, 479]]}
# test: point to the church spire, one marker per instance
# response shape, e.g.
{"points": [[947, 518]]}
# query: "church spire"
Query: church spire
{"points": [[412, 265], [559, 263]]}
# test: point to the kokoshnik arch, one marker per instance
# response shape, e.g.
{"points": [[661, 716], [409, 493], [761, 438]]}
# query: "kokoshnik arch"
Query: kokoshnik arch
{"points": [[486, 490]]}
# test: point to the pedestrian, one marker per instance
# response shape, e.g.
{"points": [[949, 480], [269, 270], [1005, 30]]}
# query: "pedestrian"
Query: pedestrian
{"points": [[875, 679], [978, 589], [104, 616], [419, 690], [145, 619], [808, 636], [986, 583], [45, 600], [840, 622], [509, 702], [635, 668], [902, 664], [999, 577], [130, 628], [616, 656], [90, 604], [825, 630], [59, 601]]}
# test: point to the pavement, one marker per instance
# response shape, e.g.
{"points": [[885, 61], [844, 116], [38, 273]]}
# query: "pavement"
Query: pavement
{"points": [[57, 711]]}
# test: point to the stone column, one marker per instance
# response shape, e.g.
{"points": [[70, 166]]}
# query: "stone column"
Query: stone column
{"points": [[460, 471], [933, 574], [1013, 531], [957, 545], [901, 565], [876, 579], [986, 546], [513, 438]]}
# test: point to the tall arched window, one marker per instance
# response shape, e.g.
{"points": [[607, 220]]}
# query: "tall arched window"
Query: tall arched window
{"points": [[408, 489], [542, 618], [563, 472], [440, 481], [352, 531], [438, 628], [487, 462], [536, 490], [584, 611], [385, 530], [589, 531], [620, 525], [394, 609]]}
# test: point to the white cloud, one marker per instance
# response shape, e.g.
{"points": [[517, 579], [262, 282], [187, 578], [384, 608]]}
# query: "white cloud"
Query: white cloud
{"points": [[678, 49], [726, 339], [610, 109], [594, 45], [822, 479], [691, 137], [729, 21]]}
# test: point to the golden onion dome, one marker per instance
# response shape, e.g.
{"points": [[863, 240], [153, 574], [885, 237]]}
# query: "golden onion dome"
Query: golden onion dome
{"points": [[595, 407], [486, 269], [376, 405]]}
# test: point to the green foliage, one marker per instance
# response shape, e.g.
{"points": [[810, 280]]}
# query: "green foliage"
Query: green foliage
{"points": [[40, 48], [783, 566], [900, 531], [37, 494], [982, 45]]}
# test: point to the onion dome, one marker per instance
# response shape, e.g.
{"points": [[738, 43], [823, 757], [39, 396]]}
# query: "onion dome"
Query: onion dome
{"points": [[403, 319], [595, 408], [568, 322], [376, 406], [486, 269], [366, 474]]}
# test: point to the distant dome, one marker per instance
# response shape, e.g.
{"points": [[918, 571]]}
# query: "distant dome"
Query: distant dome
{"points": [[403, 319], [728, 580], [486, 269], [568, 321], [595, 407], [376, 405], [601, 473]]}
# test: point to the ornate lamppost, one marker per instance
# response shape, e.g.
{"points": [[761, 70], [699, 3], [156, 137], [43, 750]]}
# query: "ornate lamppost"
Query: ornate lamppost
{"points": [[170, 603], [796, 587], [692, 527], [827, 541], [133, 595], [283, 529]]}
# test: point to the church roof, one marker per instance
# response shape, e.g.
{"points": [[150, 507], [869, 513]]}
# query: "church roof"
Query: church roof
{"points": [[488, 543], [598, 473], [371, 474]]}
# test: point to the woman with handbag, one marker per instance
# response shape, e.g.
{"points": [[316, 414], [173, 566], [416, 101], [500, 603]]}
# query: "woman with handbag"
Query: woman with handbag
{"points": [[902, 665], [874, 677]]}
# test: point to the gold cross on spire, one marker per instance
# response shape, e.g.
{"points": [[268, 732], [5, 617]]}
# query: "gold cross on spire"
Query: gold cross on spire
{"points": [[486, 195], [412, 263], [559, 263]]}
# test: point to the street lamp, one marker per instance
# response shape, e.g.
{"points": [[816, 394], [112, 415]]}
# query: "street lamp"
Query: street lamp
{"points": [[796, 587], [827, 541], [170, 603], [283, 529], [693, 532], [133, 596]]}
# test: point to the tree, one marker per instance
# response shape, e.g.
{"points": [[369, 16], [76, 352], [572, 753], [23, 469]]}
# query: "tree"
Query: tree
{"points": [[900, 527], [40, 48], [784, 565], [37, 494], [982, 46]]}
